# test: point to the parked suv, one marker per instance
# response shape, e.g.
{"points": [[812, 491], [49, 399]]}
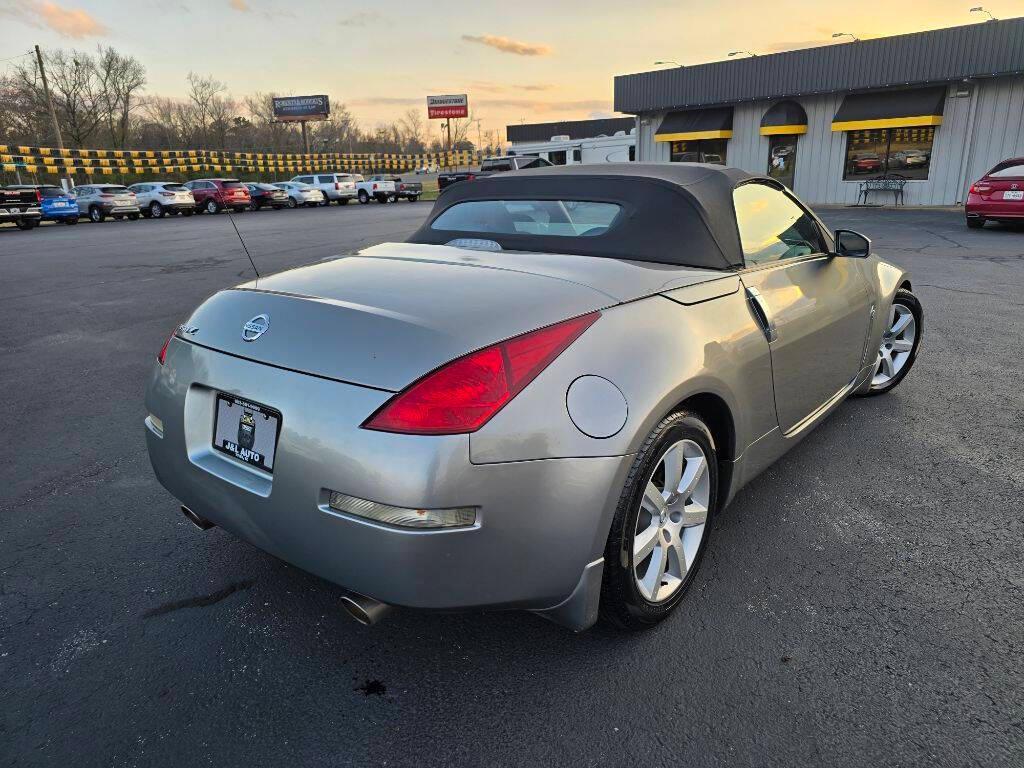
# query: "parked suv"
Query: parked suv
{"points": [[157, 198], [97, 201], [54, 203], [214, 195], [339, 187], [20, 207]]}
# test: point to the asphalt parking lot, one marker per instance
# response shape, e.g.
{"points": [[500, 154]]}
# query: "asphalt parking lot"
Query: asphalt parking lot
{"points": [[860, 603]]}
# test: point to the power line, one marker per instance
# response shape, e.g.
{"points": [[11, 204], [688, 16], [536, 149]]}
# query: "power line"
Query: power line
{"points": [[20, 55]]}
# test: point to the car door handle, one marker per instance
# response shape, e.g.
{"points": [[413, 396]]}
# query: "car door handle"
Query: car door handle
{"points": [[756, 302]]}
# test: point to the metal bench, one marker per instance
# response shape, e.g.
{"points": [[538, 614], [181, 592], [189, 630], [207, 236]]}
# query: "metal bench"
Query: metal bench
{"points": [[891, 182]]}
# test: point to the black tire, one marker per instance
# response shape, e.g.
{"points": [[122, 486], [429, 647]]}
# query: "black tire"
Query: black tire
{"points": [[118, 217], [622, 604], [212, 206], [292, 203], [382, 199], [133, 217], [96, 214], [172, 211], [363, 196], [187, 212], [156, 210], [254, 206], [325, 202], [909, 300], [413, 198], [71, 220], [26, 224], [975, 223], [343, 200]]}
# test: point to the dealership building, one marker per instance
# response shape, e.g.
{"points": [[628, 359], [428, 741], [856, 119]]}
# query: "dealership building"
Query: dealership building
{"points": [[937, 109]]}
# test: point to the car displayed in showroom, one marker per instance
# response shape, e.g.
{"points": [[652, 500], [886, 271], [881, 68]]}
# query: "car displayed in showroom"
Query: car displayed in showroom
{"points": [[215, 195], [301, 194], [157, 199], [865, 162], [266, 196], [337, 187], [98, 201], [54, 203], [539, 401], [998, 195]]}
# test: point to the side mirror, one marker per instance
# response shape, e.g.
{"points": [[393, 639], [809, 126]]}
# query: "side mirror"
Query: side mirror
{"points": [[850, 243]]}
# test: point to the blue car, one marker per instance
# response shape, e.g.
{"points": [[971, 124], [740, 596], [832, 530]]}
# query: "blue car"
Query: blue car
{"points": [[54, 203]]}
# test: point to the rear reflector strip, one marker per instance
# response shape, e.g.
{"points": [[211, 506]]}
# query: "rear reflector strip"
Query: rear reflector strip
{"points": [[458, 517]]}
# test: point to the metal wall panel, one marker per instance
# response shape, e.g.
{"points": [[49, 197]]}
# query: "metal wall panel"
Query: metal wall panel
{"points": [[978, 130], [938, 56]]}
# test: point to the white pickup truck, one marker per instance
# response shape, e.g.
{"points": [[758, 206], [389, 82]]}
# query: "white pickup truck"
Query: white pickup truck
{"points": [[377, 188]]}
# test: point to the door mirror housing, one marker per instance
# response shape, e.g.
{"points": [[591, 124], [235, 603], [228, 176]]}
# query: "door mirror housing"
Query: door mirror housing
{"points": [[850, 243]]}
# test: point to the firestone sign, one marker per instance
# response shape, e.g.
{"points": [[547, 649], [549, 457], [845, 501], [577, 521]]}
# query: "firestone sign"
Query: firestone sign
{"points": [[450, 105], [287, 108]]}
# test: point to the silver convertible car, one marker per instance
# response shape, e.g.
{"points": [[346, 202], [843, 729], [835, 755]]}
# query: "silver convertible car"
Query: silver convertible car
{"points": [[539, 401]]}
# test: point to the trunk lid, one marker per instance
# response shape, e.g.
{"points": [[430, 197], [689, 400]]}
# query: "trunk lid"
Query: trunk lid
{"points": [[388, 315]]}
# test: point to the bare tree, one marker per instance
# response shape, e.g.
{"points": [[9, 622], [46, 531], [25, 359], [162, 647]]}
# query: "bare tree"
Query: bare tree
{"points": [[75, 89], [120, 78], [202, 92], [413, 131]]}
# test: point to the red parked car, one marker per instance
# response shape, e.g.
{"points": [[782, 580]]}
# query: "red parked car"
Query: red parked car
{"points": [[214, 195], [865, 162], [998, 195]]}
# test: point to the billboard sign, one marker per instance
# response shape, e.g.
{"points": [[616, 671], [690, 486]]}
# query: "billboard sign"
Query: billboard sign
{"points": [[451, 105], [288, 108]]}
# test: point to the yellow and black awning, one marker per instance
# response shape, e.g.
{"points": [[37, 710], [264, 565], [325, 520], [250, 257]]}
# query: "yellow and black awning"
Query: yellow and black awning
{"points": [[890, 109], [693, 124], [784, 118]]}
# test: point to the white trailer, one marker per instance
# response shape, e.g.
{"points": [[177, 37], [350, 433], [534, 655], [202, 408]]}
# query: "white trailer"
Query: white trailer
{"points": [[561, 150]]}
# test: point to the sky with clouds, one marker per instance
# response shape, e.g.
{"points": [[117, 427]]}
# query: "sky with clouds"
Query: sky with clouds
{"points": [[528, 60]]}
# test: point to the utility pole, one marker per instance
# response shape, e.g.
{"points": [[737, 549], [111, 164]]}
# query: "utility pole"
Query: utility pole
{"points": [[53, 112], [305, 137]]}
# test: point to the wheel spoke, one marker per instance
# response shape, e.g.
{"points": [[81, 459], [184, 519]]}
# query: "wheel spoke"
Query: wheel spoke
{"points": [[653, 501], [644, 542], [673, 462], [680, 555], [887, 367], [902, 321], [692, 474], [694, 514], [902, 345], [651, 581]]}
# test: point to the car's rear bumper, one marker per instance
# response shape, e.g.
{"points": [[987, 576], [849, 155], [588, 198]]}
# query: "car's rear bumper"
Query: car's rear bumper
{"points": [[540, 524]]}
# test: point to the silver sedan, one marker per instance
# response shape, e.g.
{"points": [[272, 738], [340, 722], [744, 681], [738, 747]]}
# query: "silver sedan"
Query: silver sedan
{"points": [[540, 401], [301, 194]]}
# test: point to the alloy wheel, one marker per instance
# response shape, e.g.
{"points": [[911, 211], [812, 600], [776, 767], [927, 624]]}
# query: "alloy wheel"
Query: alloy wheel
{"points": [[897, 345], [671, 521]]}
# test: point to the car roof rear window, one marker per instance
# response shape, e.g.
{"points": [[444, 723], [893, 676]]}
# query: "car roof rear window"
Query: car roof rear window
{"points": [[553, 218], [1013, 169]]}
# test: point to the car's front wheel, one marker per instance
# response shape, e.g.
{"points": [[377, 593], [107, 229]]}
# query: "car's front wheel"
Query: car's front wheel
{"points": [[900, 343], [661, 526]]}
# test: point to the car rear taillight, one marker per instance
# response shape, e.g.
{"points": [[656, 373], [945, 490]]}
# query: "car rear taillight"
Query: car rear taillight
{"points": [[163, 350], [981, 189], [470, 177], [337, 185], [463, 395], [375, 185], [39, 196], [166, 194], [106, 197]]}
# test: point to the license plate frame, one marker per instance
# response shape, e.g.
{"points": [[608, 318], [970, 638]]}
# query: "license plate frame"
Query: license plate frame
{"points": [[246, 431]]}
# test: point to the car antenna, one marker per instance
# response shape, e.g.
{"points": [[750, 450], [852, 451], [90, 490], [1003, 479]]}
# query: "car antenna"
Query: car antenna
{"points": [[232, 220]]}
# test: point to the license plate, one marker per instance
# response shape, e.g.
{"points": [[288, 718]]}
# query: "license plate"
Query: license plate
{"points": [[60, 205], [247, 431], [1019, 195]]}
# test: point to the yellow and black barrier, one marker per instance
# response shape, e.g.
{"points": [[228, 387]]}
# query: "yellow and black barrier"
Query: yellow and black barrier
{"points": [[115, 161]]}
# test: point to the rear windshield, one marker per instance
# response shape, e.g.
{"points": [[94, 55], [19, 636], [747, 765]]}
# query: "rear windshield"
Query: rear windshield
{"points": [[52, 192], [1012, 170], [113, 190], [233, 185], [175, 188], [558, 218]]}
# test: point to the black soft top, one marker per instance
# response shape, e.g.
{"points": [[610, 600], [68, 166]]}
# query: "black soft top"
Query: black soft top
{"points": [[672, 213]]}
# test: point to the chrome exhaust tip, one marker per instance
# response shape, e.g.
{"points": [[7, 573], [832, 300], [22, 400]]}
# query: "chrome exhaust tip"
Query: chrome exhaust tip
{"points": [[363, 609], [199, 522]]}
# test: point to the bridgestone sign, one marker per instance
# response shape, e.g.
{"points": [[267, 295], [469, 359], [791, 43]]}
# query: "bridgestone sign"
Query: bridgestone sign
{"points": [[288, 108], [451, 105]]}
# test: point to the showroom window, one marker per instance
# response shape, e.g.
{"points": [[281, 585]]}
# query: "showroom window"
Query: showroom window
{"points": [[699, 151], [876, 152]]}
